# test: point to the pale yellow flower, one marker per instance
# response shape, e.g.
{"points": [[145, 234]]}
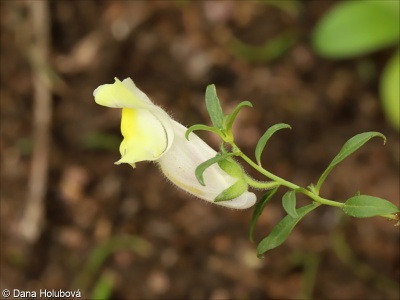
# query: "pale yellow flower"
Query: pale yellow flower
{"points": [[150, 134]]}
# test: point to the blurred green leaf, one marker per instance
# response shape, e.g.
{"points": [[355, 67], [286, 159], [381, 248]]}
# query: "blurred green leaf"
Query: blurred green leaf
{"points": [[365, 206], [104, 287], [292, 7], [270, 50], [353, 28], [281, 231], [289, 203], [99, 255], [203, 166], [258, 209], [390, 90], [25, 146], [348, 148], [214, 106], [101, 141], [264, 139]]}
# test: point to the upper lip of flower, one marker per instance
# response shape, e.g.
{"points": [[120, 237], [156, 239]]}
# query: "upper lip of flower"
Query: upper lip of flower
{"points": [[139, 115]]}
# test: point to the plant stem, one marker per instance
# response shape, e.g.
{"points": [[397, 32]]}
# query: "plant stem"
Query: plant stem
{"points": [[263, 185], [280, 181], [288, 184]]}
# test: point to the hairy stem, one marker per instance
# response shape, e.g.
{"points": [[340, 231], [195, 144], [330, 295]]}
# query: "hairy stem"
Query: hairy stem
{"points": [[262, 185]]}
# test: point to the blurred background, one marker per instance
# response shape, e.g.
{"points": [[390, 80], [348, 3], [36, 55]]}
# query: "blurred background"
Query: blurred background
{"points": [[71, 219]]}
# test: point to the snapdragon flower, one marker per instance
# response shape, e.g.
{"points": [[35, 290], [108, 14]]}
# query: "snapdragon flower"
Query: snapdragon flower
{"points": [[150, 134]]}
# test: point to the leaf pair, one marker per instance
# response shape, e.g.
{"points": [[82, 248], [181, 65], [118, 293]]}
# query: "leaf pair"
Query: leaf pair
{"points": [[222, 124], [362, 206]]}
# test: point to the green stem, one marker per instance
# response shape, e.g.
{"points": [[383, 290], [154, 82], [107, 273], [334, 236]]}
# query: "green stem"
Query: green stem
{"points": [[286, 183], [280, 181], [263, 185], [391, 217]]}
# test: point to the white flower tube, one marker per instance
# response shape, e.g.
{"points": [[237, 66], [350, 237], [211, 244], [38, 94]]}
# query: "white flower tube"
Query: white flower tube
{"points": [[150, 134]]}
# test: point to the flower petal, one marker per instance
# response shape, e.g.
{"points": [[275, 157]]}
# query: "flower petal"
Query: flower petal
{"points": [[132, 86], [121, 95], [145, 136], [146, 128], [180, 162]]}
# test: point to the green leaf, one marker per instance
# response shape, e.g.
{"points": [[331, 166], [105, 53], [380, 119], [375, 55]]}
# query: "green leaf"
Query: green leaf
{"points": [[231, 117], [99, 255], [271, 49], [101, 141], [348, 148], [104, 286], [235, 190], [390, 90], [203, 166], [289, 203], [258, 210], [365, 206], [214, 107], [201, 127], [264, 139], [281, 231], [353, 28]]}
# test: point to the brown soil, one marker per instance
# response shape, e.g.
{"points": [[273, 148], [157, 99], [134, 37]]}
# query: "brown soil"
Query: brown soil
{"points": [[107, 224]]}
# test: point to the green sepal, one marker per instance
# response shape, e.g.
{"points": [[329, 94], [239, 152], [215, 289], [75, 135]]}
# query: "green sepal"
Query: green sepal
{"points": [[364, 206], [214, 107], [348, 148], [232, 192], [259, 209], [204, 165], [231, 167], [264, 139], [201, 127]]}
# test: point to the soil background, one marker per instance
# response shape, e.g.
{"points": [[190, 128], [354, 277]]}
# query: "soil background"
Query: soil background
{"points": [[114, 232]]}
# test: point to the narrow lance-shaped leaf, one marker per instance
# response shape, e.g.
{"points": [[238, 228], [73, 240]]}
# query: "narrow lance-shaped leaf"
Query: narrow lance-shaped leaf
{"points": [[258, 210], [201, 127], [289, 203], [264, 139], [348, 148], [231, 117], [281, 231], [364, 206], [204, 165], [214, 107]]}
